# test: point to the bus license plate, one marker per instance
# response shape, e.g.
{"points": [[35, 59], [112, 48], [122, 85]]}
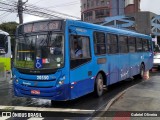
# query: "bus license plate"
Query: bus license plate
{"points": [[36, 92]]}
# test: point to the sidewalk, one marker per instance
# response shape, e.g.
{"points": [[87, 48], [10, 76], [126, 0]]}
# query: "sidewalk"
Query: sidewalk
{"points": [[141, 97], [144, 96]]}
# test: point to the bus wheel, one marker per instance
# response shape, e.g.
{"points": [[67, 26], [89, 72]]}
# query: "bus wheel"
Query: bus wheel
{"points": [[99, 85], [142, 70]]}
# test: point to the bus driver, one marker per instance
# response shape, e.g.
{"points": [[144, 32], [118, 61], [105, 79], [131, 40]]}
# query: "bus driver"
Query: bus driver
{"points": [[77, 50]]}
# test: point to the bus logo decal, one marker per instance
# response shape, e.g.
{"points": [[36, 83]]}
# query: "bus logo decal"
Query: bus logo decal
{"points": [[81, 30]]}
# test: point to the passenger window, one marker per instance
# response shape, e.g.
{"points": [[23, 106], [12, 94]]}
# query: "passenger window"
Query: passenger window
{"points": [[145, 45], [122, 44], [112, 46], [132, 44], [99, 43], [79, 50], [139, 45]]}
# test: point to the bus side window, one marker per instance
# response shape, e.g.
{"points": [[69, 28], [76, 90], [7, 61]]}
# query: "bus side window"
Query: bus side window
{"points": [[132, 44], [145, 45], [112, 44], [122, 44], [99, 43], [79, 50], [139, 45]]}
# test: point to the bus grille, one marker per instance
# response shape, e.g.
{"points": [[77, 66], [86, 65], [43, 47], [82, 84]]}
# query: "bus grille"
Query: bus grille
{"points": [[37, 83]]}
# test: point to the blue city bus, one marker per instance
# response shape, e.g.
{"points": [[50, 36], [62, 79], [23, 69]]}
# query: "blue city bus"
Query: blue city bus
{"points": [[65, 59]]}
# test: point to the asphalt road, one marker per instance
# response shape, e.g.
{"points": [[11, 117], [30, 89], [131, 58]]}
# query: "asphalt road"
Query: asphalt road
{"points": [[87, 102]]}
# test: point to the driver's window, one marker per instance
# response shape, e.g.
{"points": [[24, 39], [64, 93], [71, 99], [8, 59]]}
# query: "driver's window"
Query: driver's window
{"points": [[79, 50], [79, 47]]}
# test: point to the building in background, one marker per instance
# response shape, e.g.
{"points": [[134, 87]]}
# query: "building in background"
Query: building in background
{"points": [[139, 21], [95, 11], [131, 6], [124, 14]]}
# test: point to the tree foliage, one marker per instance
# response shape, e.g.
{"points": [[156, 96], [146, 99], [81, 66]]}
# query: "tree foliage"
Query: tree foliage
{"points": [[10, 27]]}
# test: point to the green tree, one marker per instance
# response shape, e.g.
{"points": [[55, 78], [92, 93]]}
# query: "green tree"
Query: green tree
{"points": [[10, 27]]}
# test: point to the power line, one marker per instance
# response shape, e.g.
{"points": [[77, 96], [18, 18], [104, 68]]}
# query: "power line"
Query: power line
{"points": [[34, 10], [37, 1], [15, 18], [51, 12], [64, 4], [5, 16]]}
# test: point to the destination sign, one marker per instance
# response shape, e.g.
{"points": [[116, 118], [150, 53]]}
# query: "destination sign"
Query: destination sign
{"points": [[41, 26]]}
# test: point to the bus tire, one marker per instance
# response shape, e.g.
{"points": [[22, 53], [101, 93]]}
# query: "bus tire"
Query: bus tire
{"points": [[98, 89]]}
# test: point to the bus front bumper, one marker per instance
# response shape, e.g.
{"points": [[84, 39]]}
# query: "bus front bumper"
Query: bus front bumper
{"points": [[60, 93]]}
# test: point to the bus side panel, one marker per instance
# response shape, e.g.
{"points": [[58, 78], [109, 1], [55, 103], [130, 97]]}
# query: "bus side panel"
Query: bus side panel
{"points": [[135, 62], [80, 85], [6, 63], [123, 66], [113, 62], [148, 59]]}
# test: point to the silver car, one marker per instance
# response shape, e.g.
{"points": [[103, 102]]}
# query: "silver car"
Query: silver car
{"points": [[156, 58]]}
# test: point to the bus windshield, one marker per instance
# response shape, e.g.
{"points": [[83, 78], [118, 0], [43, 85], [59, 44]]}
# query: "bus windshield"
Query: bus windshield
{"points": [[43, 50], [3, 44]]}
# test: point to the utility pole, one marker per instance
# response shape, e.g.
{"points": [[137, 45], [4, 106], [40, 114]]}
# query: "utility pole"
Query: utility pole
{"points": [[20, 10]]}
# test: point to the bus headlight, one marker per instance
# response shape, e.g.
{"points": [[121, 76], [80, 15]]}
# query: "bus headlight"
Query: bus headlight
{"points": [[61, 80], [15, 78]]}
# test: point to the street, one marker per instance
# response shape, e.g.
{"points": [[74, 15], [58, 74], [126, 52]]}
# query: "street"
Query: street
{"points": [[83, 104]]}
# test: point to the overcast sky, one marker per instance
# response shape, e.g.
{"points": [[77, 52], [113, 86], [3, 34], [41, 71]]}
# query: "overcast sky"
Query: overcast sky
{"points": [[72, 7]]}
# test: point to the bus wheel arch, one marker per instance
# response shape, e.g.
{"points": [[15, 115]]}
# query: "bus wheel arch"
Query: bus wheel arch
{"points": [[99, 82]]}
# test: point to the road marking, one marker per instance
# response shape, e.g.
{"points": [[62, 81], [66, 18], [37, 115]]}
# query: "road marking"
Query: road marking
{"points": [[68, 110], [4, 118], [35, 119]]}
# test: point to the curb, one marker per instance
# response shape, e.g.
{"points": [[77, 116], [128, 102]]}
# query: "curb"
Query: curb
{"points": [[113, 100], [120, 94]]}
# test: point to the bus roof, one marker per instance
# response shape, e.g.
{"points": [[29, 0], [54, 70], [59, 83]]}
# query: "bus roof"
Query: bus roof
{"points": [[106, 28], [109, 29]]}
